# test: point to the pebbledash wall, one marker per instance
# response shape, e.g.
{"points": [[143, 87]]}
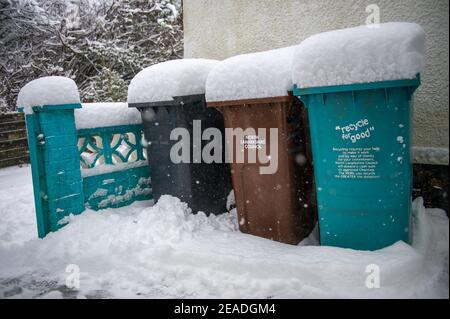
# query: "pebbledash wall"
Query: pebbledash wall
{"points": [[85, 156], [220, 29]]}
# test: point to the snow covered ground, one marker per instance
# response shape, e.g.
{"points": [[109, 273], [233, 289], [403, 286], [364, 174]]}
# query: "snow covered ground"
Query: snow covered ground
{"points": [[164, 251]]}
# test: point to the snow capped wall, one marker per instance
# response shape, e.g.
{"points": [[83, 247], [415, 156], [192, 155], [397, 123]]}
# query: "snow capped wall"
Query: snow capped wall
{"points": [[250, 76], [162, 81], [48, 90], [390, 51], [221, 29], [93, 115]]}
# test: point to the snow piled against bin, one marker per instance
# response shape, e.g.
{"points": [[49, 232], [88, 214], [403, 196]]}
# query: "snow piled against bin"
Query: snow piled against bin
{"points": [[388, 51], [250, 76], [161, 82], [93, 115], [166, 251], [48, 90]]}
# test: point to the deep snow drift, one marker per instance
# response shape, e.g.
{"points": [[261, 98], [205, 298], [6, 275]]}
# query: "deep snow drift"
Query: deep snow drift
{"points": [[388, 51], [166, 251], [48, 90]]}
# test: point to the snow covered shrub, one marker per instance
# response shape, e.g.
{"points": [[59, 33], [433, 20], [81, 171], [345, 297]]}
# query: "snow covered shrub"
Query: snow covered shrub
{"points": [[107, 86], [101, 45]]}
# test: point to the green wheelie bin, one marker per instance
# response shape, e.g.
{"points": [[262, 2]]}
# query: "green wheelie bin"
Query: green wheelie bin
{"points": [[357, 85]]}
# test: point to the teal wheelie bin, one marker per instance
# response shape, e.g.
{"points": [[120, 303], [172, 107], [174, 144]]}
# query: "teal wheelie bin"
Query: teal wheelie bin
{"points": [[357, 85], [361, 142]]}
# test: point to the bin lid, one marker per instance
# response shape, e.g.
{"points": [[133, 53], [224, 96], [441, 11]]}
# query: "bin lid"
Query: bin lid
{"points": [[364, 54], [160, 83], [259, 75], [48, 90], [176, 101], [411, 83]]}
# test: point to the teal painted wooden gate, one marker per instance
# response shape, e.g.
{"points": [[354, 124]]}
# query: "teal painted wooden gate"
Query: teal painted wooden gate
{"points": [[38, 173], [58, 189]]}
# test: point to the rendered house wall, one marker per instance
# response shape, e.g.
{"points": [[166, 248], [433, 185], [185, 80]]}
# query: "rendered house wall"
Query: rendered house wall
{"points": [[220, 29]]}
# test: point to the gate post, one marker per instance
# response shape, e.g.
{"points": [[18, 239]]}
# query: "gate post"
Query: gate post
{"points": [[57, 182]]}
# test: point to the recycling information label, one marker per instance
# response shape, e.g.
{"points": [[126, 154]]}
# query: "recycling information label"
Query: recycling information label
{"points": [[356, 162]]}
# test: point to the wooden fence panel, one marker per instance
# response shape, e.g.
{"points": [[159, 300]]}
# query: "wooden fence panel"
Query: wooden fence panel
{"points": [[13, 140]]}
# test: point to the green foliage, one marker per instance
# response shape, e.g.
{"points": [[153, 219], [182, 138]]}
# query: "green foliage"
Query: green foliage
{"points": [[107, 86]]}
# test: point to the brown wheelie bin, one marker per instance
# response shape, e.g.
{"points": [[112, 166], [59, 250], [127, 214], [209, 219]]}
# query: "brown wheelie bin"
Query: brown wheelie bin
{"points": [[279, 206]]}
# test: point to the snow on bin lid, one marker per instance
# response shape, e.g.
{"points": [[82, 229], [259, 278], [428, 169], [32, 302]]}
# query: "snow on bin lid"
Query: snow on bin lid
{"points": [[390, 51], [48, 90], [250, 76], [162, 81], [93, 115]]}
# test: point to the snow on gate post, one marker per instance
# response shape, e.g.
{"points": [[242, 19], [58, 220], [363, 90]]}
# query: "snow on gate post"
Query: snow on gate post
{"points": [[49, 105]]}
